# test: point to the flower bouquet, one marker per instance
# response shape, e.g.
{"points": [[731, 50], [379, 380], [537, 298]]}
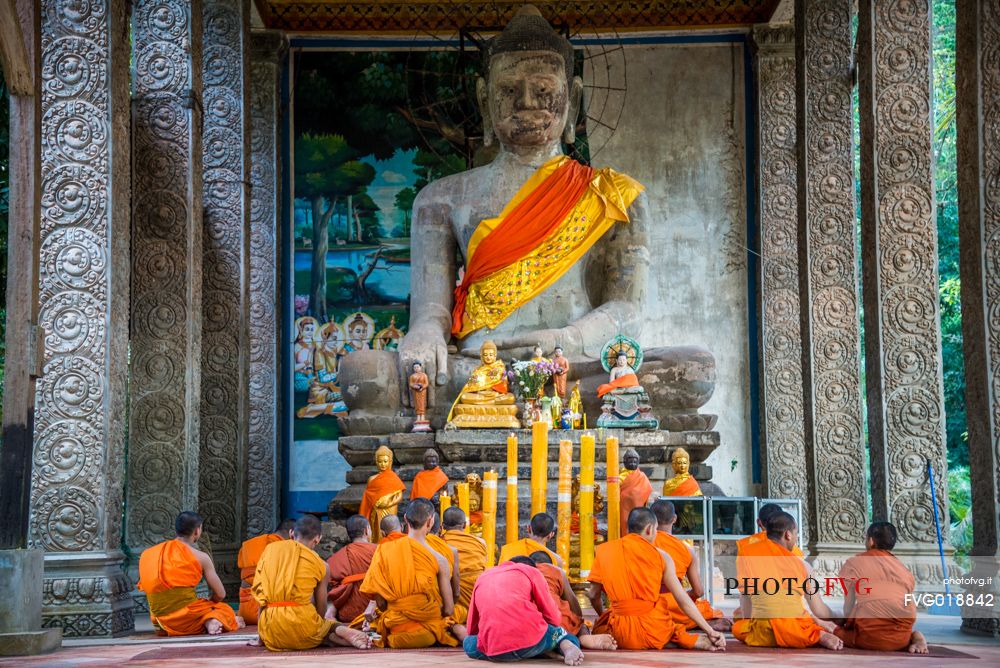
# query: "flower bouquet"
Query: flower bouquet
{"points": [[529, 378]]}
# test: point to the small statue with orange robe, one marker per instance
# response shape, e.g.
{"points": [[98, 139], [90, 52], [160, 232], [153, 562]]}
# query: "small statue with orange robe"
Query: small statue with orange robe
{"points": [[683, 483], [383, 492]]}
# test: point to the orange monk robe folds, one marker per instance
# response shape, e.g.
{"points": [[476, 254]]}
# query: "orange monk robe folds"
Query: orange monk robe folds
{"points": [[777, 620], [438, 545], [380, 485], [550, 223], [556, 580], [286, 580], [427, 483], [348, 567], [628, 380], [405, 574], [168, 573], [524, 548], [878, 620], [247, 560], [395, 535], [687, 488], [472, 563], [679, 551], [631, 572], [635, 491], [743, 543]]}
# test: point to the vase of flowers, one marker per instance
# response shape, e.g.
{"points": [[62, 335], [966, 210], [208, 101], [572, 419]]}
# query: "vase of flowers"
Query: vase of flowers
{"points": [[529, 379]]}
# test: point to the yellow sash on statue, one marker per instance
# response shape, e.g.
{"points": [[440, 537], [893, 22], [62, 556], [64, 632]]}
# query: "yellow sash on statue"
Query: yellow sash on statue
{"points": [[492, 298]]}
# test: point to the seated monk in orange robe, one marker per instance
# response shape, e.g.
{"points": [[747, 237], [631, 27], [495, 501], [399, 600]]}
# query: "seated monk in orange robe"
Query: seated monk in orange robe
{"points": [[429, 482], [439, 545], [348, 567], [247, 560], [766, 511], [410, 584], [472, 556], [632, 571], [568, 605], [635, 487], [290, 587], [540, 532], [877, 586], [779, 619], [685, 566], [390, 529], [169, 572]]}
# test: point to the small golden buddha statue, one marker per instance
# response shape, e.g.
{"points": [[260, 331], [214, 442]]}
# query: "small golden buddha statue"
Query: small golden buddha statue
{"points": [[485, 401], [576, 406], [383, 492], [683, 483], [475, 503]]}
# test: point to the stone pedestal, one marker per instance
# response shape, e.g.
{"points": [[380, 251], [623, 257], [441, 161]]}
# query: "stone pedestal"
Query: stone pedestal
{"points": [[21, 633]]}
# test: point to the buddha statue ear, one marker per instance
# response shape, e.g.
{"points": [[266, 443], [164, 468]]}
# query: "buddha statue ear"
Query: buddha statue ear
{"points": [[482, 96], [575, 100]]}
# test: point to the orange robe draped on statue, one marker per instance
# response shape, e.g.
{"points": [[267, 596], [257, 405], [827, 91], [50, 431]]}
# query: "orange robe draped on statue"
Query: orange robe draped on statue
{"points": [[879, 620], [247, 560], [628, 380], [168, 573], [555, 579], [523, 548], [689, 487], [679, 551], [471, 564], [405, 574], [284, 585], [427, 483], [631, 572], [778, 620], [635, 492], [348, 567], [380, 485]]}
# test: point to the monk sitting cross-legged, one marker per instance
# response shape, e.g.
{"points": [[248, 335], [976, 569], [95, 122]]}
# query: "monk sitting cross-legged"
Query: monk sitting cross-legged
{"points": [[169, 572], [390, 529], [247, 560], [472, 556], [439, 545], [778, 618], [411, 587], [513, 617], [685, 566], [291, 588], [347, 569], [633, 571], [569, 606], [877, 617], [766, 511], [540, 531]]}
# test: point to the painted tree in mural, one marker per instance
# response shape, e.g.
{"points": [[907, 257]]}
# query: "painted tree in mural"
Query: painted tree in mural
{"points": [[326, 171], [404, 203]]}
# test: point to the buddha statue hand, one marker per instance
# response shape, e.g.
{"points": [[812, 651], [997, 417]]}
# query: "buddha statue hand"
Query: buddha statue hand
{"points": [[425, 343]]}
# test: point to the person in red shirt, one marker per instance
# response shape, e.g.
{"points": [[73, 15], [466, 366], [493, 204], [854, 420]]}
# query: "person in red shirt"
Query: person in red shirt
{"points": [[512, 616]]}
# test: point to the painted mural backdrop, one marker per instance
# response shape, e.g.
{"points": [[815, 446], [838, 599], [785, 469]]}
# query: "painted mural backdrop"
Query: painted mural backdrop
{"points": [[371, 129]]}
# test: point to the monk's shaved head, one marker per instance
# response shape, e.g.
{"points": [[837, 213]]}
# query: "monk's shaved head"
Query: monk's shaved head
{"points": [[639, 519], [664, 511], [454, 519], [883, 535], [779, 523], [308, 527], [766, 511], [187, 523], [286, 525], [358, 525], [389, 524], [418, 512], [542, 525], [523, 560], [541, 557]]}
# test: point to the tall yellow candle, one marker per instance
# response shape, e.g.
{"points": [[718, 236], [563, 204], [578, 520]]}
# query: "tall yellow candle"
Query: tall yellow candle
{"points": [[462, 491], [512, 509], [564, 506], [539, 465], [490, 514], [445, 503], [614, 492], [586, 504]]}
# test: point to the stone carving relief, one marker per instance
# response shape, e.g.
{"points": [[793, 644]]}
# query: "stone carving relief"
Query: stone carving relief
{"points": [[785, 455], [901, 278], [166, 273], [833, 434]]}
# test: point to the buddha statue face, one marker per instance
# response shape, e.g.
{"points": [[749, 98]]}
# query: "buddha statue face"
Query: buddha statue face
{"points": [[557, 352], [631, 460], [681, 463], [430, 460], [418, 367], [488, 353], [536, 351], [383, 459], [621, 361], [473, 503]]}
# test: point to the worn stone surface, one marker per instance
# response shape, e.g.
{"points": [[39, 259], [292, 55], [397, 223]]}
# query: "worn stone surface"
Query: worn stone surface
{"points": [[165, 378], [30, 643], [265, 196], [21, 581], [831, 335], [76, 488], [899, 242]]}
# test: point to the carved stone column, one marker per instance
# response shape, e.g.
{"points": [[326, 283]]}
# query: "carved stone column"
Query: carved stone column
{"points": [[978, 118], [267, 49], [831, 337], [225, 356], [164, 389], [899, 242], [76, 484], [784, 446]]}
